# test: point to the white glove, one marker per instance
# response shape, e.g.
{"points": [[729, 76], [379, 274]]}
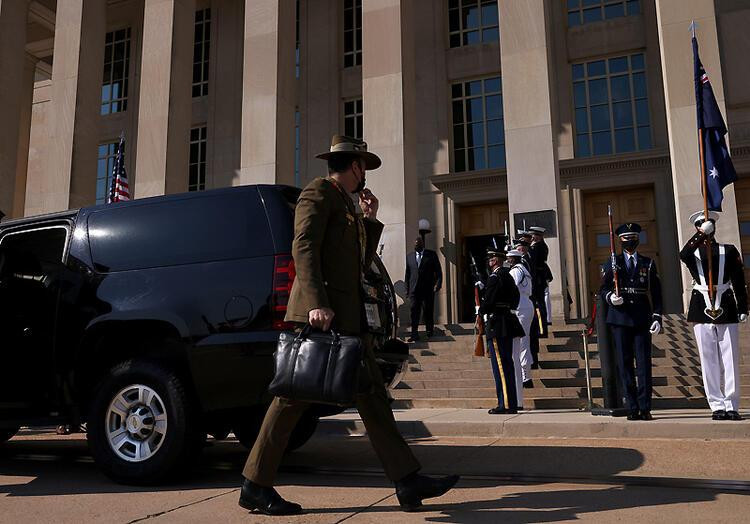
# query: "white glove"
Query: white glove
{"points": [[655, 328], [476, 310], [707, 227], [743, 317], [616, 300], [479, 284]]}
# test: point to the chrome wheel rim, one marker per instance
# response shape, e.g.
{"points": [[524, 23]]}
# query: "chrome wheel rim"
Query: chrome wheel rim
{"points": [[136, 423]]}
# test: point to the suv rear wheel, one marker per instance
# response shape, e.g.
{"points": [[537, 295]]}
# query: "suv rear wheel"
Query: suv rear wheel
{"points": [[141, 427], [7, 433]]}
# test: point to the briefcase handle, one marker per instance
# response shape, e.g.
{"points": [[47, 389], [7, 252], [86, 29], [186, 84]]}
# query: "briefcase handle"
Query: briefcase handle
{"points": [[305, 333]]}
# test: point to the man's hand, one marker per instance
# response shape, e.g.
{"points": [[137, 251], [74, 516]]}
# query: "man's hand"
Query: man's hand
{"points": [[743, 317], [321, 318], [616, 300], [707, 227], [369, 204], [479, 284], [655, 328]]}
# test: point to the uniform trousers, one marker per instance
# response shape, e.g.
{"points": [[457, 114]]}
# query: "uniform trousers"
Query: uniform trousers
{"points": [[501, 357], [373, 406], [522, 350], [548, 304], [718, 346], [634, 343], [421, 301]]}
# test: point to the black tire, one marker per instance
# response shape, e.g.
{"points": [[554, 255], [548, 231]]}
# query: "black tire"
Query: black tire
{"points": [[7, 433], [177, 447]]}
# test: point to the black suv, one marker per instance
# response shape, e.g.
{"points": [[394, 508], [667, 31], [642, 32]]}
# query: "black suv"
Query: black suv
{"points": [[154, 322]]}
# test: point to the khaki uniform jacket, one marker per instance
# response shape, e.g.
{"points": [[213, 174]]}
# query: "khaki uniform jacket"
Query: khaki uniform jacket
{"points": [[327, 256]]}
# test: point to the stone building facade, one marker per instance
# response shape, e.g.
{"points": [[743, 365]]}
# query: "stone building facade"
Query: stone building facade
{"points": [[485, 112]]}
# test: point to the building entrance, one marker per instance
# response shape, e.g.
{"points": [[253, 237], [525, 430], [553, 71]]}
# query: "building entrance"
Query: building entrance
{"points": [[634, 205], [742, 196], [478, 226]]}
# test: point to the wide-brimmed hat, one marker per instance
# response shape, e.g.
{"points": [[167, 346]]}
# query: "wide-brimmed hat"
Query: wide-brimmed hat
{"points": [[494, 252], [539, 230], [699, 217], [514, 253], [341, 144]]}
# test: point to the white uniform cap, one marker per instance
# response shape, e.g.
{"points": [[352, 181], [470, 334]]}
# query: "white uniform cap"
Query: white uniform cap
{"points": [[515, 253], [537, 229], [699, 216]]}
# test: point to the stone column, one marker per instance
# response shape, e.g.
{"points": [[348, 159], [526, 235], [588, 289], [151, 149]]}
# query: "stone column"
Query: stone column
{"points": [[268, 83], [70, 172], [12, 58], [165, 98], [24, 135], [389, 94], [530, 151], [673, 19]]}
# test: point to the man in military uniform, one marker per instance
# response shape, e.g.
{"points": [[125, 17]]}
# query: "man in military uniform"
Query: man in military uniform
{"points": [[501, 327], [523, 244], [525, 313], [633, 318], [332, 246], [539, 251], [716, 323]]}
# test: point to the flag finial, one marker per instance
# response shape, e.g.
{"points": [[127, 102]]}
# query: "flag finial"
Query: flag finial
{"points": [[693, 27]]}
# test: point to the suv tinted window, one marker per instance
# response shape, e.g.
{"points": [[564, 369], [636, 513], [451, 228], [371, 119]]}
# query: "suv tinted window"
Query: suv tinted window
{"points": [[203, 229], [34, 253]]}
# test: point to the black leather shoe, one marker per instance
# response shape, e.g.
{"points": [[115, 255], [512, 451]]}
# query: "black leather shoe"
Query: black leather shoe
{"points": [[411, 490], [733, 415], [414, 338], [646, 415], [719, 414], [634, 415], [502, 411], [266, 500], [528, 384]]}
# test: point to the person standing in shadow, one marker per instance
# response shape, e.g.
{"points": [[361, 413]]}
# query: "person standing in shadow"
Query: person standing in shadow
{"points": [[423, 279]]}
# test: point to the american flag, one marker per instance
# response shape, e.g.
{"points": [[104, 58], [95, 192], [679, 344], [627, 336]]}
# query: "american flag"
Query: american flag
{"points": [[119, 190]]}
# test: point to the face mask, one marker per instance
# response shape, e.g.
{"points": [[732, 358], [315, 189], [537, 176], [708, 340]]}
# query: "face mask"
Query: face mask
{"points": [[360, 185], [630, 245]]}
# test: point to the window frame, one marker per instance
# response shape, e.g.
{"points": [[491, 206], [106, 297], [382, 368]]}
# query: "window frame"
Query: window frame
{"points": [[23, 231], [202, 145], [352, 9], [120, 102], [357, 116], [458, 37], [602, 6], [110, 160], [204, 62]]}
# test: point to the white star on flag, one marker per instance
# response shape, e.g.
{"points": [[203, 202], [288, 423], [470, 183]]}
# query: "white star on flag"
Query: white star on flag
{"points": [[714, 173]]}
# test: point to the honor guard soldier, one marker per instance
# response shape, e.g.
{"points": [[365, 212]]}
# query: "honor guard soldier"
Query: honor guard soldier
{"points": [[716, 322], [525, 313], [539, 251], [502, 326], [633, 318], [523, 244]]}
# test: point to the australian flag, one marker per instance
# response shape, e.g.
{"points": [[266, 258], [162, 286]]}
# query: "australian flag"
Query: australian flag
{"points": [[119, 191], [718, 167]]}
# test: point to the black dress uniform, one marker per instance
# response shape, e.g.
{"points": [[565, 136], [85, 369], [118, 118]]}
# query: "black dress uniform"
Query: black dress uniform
{"points": [[538, 254], [630, 321], [500, 298], [715, 324]]}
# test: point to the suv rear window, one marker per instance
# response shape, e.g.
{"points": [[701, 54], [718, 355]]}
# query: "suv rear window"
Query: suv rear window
{"points": [[203, 229]]}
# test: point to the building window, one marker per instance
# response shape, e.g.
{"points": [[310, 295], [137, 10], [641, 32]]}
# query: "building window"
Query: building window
{"points": [[478, 133], [296, 46], [105, 164], [297, 177], [352, 33], [472, 22], [116, 67], [587, 11], [611, 106], [197, 167], [201, 49], [353, 118]]}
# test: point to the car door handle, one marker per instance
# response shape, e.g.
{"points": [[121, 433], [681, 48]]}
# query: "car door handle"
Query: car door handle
{"points": [[27, 332]]}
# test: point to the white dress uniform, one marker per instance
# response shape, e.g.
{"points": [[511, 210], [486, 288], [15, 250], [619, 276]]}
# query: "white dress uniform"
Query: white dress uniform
{"points": [[525, 313], [716, 324]]}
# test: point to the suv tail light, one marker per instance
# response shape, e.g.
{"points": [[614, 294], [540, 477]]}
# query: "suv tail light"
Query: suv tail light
{"points": [[283, 278]]}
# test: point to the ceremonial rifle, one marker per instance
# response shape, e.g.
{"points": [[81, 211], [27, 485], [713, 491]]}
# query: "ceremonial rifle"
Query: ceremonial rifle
{"points": [[612, 254], [479, 323]]}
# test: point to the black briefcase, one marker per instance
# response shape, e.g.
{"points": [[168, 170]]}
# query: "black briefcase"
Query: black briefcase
{"points": [[317, 367]]}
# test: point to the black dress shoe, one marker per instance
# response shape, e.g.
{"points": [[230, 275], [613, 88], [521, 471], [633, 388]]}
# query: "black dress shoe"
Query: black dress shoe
{"points": [[646, 415], [414, 338], [411, 490], [528, 384], [634, 415], [266, 500], [733, 415], [719, 414], [502, 411]]}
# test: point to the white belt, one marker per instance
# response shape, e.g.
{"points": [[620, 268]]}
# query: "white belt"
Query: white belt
{"points": [[702, 286]]}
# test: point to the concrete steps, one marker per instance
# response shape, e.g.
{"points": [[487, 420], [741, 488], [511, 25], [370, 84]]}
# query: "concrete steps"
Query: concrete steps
{"points": [[444, 373]]}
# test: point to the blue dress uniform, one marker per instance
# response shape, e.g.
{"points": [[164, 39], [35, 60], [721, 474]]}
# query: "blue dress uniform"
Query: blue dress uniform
{"points": [[501, 296], [633, 321]]}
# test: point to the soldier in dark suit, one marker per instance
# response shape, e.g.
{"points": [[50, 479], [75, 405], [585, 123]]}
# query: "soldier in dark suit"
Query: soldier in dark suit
{"points": [[633, 318], [716, 324], [501, 297], [539, 251], [332, 246], [423, 279]]}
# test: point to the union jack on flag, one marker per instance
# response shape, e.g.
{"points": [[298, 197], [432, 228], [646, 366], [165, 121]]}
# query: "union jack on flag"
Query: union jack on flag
{"points": [[119, 190]]}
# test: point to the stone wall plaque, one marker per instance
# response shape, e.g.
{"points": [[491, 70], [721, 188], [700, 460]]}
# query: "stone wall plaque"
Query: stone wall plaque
{"points": [[545, 219]]}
